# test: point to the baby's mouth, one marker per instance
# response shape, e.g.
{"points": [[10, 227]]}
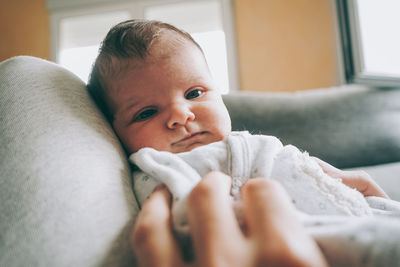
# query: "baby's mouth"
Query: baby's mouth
{"points": [[190, 138]]}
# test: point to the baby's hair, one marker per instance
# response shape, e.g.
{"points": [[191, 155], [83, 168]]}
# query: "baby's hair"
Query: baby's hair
{"points": [[125, 42]]}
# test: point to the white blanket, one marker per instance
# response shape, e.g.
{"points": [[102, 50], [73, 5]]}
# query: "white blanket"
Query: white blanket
{"points": [[324, 203]]}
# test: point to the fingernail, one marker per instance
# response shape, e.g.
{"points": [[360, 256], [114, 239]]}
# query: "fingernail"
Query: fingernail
{"points": [[158, 187]]}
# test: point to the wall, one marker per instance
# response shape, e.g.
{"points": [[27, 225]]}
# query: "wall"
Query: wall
{"points": [[24, 29], [282, 45], [286, 45]]}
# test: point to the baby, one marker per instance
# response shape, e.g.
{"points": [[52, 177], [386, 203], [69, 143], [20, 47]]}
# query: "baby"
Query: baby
{"points": [[153, 84]]}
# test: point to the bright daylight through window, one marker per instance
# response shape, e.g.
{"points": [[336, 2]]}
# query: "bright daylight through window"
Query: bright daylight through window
{"points": [[371, 40], [79, 35], [80, 38], [380, 36]]}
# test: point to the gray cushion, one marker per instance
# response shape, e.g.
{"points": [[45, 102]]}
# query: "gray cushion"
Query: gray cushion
{"points": [[66, 197], [348, 126]]}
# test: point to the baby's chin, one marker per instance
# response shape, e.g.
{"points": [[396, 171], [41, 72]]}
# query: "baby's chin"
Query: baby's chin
{"points": [[194, 141], [190, 147], [193, 146]]}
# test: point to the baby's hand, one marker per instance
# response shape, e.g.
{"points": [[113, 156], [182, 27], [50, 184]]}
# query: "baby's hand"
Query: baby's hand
{"points": [[359, 180]]}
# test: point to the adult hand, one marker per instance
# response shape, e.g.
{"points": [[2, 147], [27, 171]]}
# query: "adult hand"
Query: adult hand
{"points": [[357, 179], [271, 234]]}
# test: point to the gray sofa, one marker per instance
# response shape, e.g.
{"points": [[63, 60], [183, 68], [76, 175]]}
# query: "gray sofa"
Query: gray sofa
{"points": [[351, 127], [66, 197]]}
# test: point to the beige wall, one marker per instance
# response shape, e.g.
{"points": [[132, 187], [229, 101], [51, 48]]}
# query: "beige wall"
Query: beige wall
{"points": [[282, 45], [24, 29], [285, 45]]}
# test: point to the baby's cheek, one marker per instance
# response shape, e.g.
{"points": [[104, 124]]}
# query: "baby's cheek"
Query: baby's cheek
{"points": [[222, 134], [224, 123], [157, 142], [136, 141]]}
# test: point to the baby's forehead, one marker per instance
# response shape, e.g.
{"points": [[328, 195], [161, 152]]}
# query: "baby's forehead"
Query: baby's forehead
{"points": [[133, 71], [168, 43], [165, 48]]}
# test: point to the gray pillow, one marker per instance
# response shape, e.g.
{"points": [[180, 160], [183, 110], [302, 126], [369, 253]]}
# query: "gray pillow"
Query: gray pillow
{"points": [[65, 187]]}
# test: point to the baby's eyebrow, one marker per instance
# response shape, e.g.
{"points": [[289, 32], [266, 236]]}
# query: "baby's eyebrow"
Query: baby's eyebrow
{"points": [[130, 106], [129, 112]]}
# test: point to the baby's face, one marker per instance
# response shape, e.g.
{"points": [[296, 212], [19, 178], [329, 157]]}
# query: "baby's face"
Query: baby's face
{"points": [[169, 103]]}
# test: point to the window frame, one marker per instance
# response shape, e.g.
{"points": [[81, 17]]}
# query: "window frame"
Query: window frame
{"points": [[59, 9], [349, 31]]}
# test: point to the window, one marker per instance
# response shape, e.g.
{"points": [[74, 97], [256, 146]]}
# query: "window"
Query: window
{"points": [[80, 38], [78, 29], [370, 41], [206, 30]]}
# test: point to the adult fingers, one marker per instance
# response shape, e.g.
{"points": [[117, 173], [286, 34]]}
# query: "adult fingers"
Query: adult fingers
{"points": [[265, 203], [272, 224], [152, 238], [327, 168], [357, 179], [212, 221], [361, 181]]}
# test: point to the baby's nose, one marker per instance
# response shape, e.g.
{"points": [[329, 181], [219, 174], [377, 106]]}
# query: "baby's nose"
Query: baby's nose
{"points": [[180, 114]]}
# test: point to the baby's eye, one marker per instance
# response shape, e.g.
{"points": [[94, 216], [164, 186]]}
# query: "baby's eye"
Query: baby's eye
{"points": [[194, 94], [144, 115]]}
